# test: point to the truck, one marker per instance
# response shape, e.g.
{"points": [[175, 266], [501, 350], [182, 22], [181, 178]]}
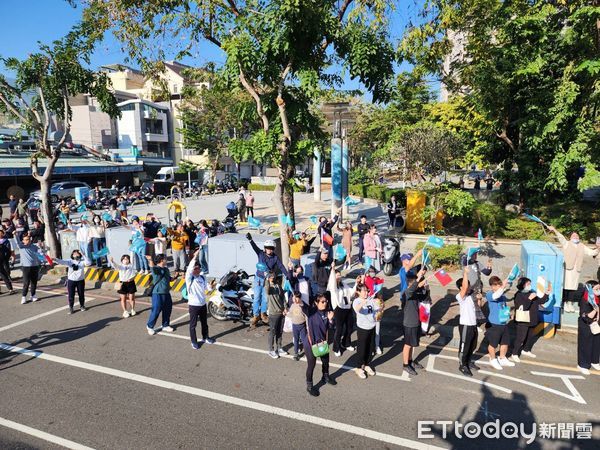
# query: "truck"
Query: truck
{"points": [[171, 175]]}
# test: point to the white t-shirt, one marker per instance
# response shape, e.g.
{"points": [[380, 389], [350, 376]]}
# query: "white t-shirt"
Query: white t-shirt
{"points": [[468, 315]]}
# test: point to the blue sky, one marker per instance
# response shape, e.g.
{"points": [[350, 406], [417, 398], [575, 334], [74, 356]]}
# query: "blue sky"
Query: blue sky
{"points": [[46, 20]]}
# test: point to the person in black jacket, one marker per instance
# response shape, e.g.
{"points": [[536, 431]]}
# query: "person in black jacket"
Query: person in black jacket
{"points": [[417, 291], [320, 271], [392, 211], [588, 343], [319, 322], [530, 301], [363, 228]]}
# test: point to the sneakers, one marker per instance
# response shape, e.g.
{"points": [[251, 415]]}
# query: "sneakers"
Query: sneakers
{"points": [[168, 329], [378, 351], [596, 366], [465, 371], [82, 308], [360, 373], [328, 380], [496, 364], [515, 358], [254, 321], [273, 354], [296, 357], [133, 313], [195, 345], [70, 311], [311, 390], [473, 366], [416, 365], [583, 370], [528, 354], [350, 348], [264, 318], [209, 341], [34, 298], [338, 354], [369, 371], [150, 331], [281, 352], [125, 314], [410, 370], [12, 292], [505, 362], [23, 300]]}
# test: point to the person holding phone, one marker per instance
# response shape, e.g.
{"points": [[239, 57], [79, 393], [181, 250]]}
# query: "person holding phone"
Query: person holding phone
{"points": [[417, 292]]}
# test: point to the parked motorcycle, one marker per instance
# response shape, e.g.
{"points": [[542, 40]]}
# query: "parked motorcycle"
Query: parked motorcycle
{"points": [[391, 254], [231, 298]]}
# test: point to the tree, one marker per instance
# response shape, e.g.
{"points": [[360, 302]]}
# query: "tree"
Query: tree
{"points": [[530, 70], [279, 51], [53, 76], [213, 114]]}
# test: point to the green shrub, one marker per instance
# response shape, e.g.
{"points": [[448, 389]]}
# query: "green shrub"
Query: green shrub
{"points": [[261, 187], [376, 192], [400, 196], [490, 218], [448, 255], [360, 175], [523, 229], [459, 203], [360, 190]]}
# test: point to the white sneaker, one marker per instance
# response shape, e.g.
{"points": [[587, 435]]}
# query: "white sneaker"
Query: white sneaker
{"points": [[338, 354], [528, 354], [350, 348], [281, 351], [151, 331], [168, 329], [273, 354], [596, 366], [360, 373], [496, 364], [34, 299], [505, 362], [370, 371], [133, 313], [515, 358], [378, 351], [583, 371], [23, 300], [125, 314]]}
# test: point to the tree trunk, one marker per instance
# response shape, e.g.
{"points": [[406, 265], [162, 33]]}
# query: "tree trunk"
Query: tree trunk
{"points": [[48, 218], [213, 170], [288, 193]]}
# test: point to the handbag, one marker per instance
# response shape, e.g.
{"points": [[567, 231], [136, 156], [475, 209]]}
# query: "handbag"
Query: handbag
{"points": [[522, 315], [327, 239], [320, 348], [287, 325], [595, 327]]}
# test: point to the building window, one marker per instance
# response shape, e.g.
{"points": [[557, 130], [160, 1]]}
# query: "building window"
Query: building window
{"points": [[153, 126], [175, 87], [128, 107]]}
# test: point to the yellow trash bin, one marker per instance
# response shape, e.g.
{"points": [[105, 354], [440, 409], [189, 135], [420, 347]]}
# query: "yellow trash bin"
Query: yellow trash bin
{"points": [[415, 204]]}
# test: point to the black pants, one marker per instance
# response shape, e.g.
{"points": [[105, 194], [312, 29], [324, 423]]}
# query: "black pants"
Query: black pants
{"points": [[195, 313], [588, 346], [312, 362], [524, 339], [5, 275], [30, 277], [361, 248], [78, 286], [250, 210], [366, 343], [344, 323], [468, 343], [570, 295], [275, 331]]}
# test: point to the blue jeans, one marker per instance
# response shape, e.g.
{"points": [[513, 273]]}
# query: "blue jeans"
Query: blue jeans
{"points": [[299, 332], [98, 244], [84, 248], [259, 305], [204, 258], [141, 262], [160, 303]]}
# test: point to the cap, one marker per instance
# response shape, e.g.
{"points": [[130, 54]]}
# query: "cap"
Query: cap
{"points": [[406, 257], [269, 243]]}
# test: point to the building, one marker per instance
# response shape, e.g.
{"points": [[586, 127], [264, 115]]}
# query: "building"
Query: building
{"points": [[145, 125], [458, 40]]}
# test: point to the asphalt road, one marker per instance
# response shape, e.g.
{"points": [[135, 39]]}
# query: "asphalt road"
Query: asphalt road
{"points": [[97, 380]]}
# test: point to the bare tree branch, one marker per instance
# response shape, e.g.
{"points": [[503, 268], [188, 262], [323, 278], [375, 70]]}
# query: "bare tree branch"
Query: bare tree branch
{"points": [[252, 91]]}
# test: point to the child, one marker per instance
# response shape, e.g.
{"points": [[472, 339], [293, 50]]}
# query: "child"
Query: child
{"points": [[276, 308], [298, 317], [195, 283], [75, 278], [374, 285], [160, 242], [497, 333], [467, 324], [127, 279], [417, 291], [588, 343]]}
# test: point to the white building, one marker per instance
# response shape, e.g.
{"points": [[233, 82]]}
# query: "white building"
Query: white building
{"points": [[145, 125]]}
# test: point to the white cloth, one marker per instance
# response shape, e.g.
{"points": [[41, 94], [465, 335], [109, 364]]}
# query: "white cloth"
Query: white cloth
{"points": [[76, 274], [468, 315], [82, 234], [195, 285], [365, 315], [126, 271], [572, 275], [341, 297]]}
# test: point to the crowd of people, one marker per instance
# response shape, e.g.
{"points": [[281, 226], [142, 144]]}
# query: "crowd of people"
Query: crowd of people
{"points": [[324, 309]]}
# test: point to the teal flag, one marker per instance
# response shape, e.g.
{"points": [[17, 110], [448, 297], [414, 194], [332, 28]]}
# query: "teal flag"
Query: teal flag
{"points": [[434, 242]]}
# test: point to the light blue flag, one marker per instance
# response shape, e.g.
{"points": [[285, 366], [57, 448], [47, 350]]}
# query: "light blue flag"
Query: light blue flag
{"points": [[261, 267], [591, 296], [535, 219], [84, 216], [314, 219], [81, 208], [426, 257], [434, 242], [368, 263], [100, 253], [349, 201], [138, 246], [480, 235], [287, 220], [471, 252], [514, 273], [254, 223], [62, 217], [106, 217], [287, 287], [340, 252]]}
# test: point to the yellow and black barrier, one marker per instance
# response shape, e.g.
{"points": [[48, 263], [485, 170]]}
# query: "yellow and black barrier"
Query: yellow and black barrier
{"points": [[545, 330], [105, 275]]}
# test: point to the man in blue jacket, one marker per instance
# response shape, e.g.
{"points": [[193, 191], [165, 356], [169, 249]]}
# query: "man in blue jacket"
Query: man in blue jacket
{"points": [[268, 261]]}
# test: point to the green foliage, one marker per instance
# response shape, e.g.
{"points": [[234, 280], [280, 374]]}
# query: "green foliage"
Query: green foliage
{"points": [[524, 229], [458, 203], [448, 255], [261, 187], [360, 190], [186, 166], [490, 218], [360, 175], [377, 192]]}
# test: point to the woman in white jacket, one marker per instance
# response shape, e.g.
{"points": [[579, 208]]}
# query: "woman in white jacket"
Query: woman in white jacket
{"points": [[127, 291], [342, 294], [75, 278]]}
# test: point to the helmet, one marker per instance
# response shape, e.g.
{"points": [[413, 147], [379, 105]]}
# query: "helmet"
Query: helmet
{"points": [[269, 243]]}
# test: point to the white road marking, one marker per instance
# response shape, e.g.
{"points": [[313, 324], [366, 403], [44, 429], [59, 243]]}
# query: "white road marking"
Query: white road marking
{"points": [[180, 318], [269, 409], [566, 379], [430, 368], [264, 352], [42, 435]]}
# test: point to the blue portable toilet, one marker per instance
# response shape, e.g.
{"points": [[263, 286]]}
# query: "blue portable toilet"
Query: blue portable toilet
{"points": [[540, 258]]}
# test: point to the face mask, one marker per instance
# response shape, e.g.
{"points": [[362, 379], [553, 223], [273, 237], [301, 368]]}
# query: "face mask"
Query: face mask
{"points": [[575, 241], [597, 292], [77, 258], [527, 287]]}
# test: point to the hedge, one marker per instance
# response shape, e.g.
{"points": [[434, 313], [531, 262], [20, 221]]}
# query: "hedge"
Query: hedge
{"points": [[377, 192], [270, 187], [448, 255]]}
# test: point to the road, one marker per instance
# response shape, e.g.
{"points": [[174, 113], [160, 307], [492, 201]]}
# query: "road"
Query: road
{"points": [[96, 380]]}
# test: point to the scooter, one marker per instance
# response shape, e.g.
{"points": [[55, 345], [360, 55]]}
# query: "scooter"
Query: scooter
{"points": [[231, 298], [391, 254]]}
